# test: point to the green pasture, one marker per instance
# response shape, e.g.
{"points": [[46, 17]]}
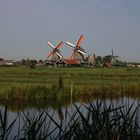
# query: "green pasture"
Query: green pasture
{"points": [[17, 82]]}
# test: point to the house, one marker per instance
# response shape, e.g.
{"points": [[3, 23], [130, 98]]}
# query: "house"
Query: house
{"points": [[2, 61], [49, 62], [6, 62], [133, 64], [72, 62], [40, 63], [60, 62], [67, 62], [9, 62], [109, 65]]}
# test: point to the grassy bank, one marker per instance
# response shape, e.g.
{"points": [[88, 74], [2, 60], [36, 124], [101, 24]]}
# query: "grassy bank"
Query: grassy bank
{"points": [[43, 82]]}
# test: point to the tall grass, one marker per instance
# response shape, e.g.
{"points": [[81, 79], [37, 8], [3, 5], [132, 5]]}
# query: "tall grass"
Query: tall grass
{"points": [[19, 82]]}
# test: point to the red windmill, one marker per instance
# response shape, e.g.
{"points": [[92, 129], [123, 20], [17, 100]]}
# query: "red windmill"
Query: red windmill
{"points": [[55, 53], [78, 51]]}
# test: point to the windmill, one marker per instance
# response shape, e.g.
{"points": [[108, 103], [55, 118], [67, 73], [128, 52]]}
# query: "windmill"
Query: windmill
{"points": [[55, 53], [78, 52]]}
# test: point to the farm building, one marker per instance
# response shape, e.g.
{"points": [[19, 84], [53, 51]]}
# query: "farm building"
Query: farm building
{"points": [[6, 62]]}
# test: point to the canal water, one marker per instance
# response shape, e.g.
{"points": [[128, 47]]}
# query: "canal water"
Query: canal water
{"points": [[52, 113]]}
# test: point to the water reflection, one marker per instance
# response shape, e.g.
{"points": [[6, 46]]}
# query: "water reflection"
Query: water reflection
{"points": [[54, 103]]}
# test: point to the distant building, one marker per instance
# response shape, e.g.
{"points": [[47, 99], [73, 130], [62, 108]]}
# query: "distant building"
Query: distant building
{"points": [[62, 62], [133, 64], [67, 62], [9, 62], [2, 61], [40, 63], [6, 62], [91, 60]]}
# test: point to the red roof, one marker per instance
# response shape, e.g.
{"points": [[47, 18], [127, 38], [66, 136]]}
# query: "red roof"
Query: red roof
{"points": [[72, 62]]}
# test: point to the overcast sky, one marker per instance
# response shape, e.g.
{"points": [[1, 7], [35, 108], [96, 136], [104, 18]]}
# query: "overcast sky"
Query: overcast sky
{"points": [[26, 26]]}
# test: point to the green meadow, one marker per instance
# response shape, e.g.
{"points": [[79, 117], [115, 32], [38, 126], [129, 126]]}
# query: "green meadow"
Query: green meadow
{"points": [[43, 82]]}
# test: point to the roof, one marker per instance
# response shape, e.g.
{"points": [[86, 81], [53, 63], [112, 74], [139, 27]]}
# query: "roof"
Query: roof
{"points": [[60, 61], [68, 61], [72, 62]]}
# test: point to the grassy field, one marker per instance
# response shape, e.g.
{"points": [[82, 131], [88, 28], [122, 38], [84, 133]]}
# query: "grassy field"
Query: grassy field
{"points": [[20, 82]]}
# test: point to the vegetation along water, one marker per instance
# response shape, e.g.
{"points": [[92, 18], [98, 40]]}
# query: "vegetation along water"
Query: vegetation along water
{"points": [[43, 82]]}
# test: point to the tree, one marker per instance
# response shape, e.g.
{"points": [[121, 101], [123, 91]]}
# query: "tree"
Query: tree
{"points": [[107, 59], [23, 62], [98, 60], [32, 63]]}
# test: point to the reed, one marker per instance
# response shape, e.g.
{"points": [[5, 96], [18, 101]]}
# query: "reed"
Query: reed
{"points": [[5, 128], [99, 121], [36, 127], [39, 91]]}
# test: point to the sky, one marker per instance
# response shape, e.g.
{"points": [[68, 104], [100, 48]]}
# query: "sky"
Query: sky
{"points": [[27, 25]]}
